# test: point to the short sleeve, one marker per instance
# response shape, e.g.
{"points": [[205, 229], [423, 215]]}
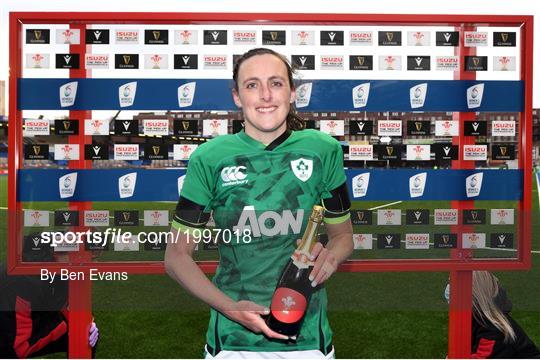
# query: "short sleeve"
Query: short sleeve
{"points": [[199, 182], [334, 174]]}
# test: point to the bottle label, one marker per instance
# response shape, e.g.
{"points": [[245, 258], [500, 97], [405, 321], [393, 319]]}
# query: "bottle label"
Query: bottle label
{"points": [[288, 305]]}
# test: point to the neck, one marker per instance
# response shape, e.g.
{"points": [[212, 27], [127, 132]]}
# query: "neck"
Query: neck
{"points": [[265, 138]]}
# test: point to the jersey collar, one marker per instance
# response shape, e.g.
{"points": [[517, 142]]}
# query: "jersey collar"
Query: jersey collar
{"points": [[258, 145]]}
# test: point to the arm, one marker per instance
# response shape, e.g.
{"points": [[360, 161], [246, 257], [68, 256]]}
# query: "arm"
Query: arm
{"points": [[180, 266], [340, 240], [339, 228], [339, 248]]}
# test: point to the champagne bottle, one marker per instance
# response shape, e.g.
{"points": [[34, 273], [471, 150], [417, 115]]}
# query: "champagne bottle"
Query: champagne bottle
{"points": [[293, 291]]}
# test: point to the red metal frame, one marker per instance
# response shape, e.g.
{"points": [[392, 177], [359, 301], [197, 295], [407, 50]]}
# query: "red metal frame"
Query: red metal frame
{"points": [[80, 291], [523, 260], [459, 321], [459, 264]]}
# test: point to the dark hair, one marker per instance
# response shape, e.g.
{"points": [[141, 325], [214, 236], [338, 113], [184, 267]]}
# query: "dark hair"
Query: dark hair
{"points": [[294, 122]]}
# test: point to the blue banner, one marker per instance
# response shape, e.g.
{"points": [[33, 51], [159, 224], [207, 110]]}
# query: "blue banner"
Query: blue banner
{"points": [[323, 95], [418, 184], [364, 184]]}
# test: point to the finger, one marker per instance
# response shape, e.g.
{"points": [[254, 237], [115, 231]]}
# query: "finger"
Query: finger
{"points": [[328, 268], [271, 333], [319, 278], [316, 250], [257, 309], [317, 266], [298, 242], [264, 311], [325, 275]]}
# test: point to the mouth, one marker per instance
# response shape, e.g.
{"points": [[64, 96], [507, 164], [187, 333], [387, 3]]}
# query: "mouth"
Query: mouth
{"points": [[266, 109]]}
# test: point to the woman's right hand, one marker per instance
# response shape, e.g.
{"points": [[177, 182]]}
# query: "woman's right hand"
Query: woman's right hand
{"points": [[248, 314]]}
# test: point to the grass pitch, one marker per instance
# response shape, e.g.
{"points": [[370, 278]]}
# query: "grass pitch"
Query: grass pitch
{"points": [[373, 315]]}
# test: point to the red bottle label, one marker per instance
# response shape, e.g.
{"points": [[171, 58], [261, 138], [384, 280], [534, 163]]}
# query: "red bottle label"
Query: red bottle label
{"points": [[288, 305]]}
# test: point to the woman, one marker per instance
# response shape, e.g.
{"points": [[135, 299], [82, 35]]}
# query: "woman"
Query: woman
{"points": [[261, 184], [494, 333]]}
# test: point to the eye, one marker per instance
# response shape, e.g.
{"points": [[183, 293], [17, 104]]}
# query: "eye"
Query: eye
{"points": [[251, 85], [277, 84]]}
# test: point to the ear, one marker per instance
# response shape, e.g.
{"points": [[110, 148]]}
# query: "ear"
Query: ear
{"points": [[293, 96], [236, 98]]}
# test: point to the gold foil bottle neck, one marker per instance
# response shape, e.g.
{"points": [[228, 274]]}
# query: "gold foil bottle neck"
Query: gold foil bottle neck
{"points": [[317, 214]]}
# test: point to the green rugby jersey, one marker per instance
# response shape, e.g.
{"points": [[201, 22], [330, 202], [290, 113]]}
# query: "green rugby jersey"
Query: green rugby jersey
{"points": [[269, 190]]}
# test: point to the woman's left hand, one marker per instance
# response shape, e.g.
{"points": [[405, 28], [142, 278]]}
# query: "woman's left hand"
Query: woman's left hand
{"points": [[325, 265]]}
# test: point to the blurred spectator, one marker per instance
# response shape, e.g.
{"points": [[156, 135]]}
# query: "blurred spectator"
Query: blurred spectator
{"points": [[495, 334], [33, 312]]}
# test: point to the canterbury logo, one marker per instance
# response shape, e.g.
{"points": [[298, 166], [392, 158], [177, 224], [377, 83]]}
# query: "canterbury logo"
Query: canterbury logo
{"points": [[447, 36], [233, 173]]}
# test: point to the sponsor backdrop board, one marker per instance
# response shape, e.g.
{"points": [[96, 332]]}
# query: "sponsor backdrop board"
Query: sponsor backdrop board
{"points": [[162, 65], [343, 68]]}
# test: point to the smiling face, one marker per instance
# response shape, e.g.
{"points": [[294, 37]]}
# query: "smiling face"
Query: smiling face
{"points": [[265, 95]]}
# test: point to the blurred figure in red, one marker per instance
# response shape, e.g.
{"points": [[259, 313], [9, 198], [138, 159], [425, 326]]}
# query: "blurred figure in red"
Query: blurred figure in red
{"points": [[33, 312], [495, 334]]}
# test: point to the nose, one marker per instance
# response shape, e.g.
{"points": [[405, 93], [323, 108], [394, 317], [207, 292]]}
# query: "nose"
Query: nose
{"points": [[266, 93]]}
